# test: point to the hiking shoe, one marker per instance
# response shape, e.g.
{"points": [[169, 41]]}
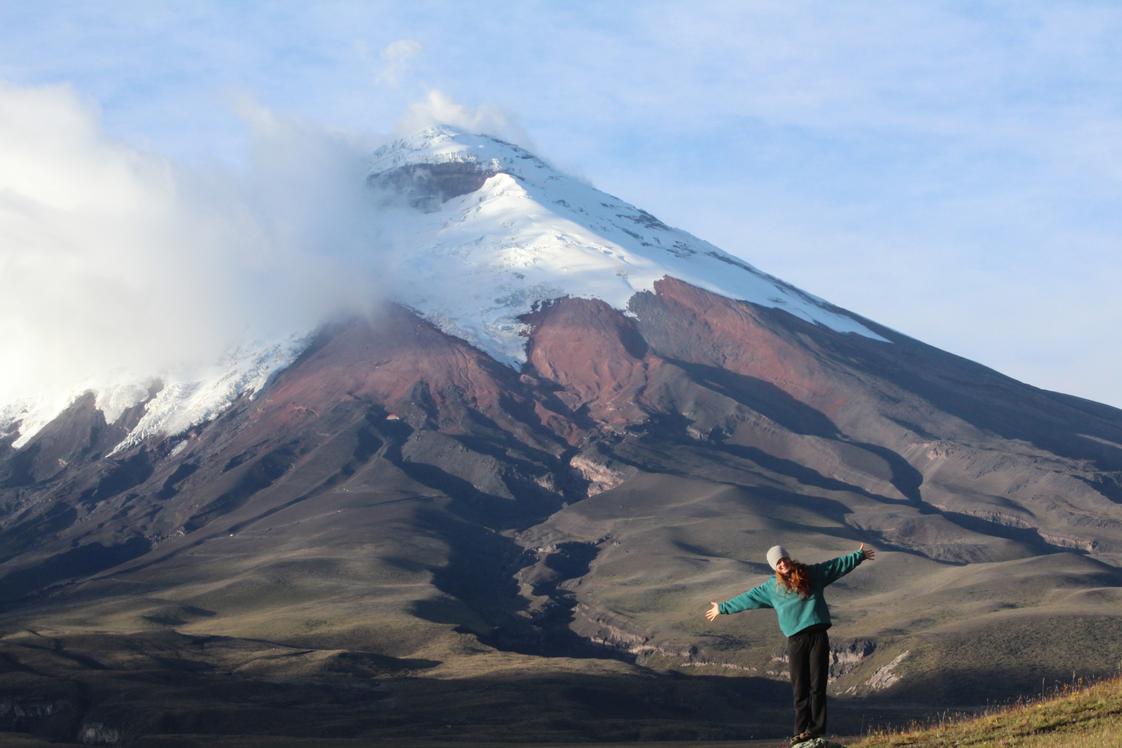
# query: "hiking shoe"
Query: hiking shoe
{"points": [[802, 737]]}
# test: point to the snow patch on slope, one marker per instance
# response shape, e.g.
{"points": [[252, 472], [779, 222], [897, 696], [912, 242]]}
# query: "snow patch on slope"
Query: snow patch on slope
{"points": [[180, 402], [27, 417]]}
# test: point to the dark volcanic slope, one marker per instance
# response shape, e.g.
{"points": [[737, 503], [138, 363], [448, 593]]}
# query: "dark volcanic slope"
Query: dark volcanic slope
{"points": [[397, 513]]}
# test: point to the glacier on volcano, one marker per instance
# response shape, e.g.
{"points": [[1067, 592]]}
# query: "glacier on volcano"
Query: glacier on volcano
{"points": [[475, 261]]}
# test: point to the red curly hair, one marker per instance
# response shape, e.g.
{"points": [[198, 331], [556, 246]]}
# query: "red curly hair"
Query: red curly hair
{"points": [[798, 580]]}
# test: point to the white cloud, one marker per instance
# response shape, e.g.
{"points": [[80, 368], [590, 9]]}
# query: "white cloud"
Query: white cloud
{"points": [[438, 108], [396, 59], [119, 264]]}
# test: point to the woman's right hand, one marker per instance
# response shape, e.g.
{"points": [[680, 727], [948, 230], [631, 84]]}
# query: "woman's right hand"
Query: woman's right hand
{"points": [[713, 612]]}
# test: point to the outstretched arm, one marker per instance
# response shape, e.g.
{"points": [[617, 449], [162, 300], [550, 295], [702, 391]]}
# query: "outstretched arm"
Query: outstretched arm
{"points": [[757, 597], [831, 571]]}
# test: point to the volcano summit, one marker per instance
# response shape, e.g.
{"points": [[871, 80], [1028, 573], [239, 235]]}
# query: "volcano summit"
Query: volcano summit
{"points": [[502, 501]]}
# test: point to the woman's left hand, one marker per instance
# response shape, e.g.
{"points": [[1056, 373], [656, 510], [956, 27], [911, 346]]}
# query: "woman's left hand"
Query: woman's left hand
{"points": [[869, 552]]}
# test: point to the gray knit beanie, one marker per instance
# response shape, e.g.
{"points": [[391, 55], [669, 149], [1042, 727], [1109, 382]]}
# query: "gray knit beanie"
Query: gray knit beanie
{"points": [[775, 553]]}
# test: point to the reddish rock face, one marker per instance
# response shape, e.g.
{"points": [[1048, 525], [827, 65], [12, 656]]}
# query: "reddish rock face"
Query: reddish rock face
{"points": [[407, 366], [689, 324], [619, 370], [596, 356]]}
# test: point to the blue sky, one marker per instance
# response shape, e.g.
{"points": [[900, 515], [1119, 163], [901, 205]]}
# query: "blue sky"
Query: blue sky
{"points": [[951, 170]]}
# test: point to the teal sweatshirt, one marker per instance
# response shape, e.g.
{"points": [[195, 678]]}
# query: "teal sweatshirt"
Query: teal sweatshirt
{"points": [[796, 613]]}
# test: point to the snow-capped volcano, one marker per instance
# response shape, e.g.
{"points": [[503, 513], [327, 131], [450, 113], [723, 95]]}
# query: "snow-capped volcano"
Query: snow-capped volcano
{"points": [[476, 232], [495, 230]]}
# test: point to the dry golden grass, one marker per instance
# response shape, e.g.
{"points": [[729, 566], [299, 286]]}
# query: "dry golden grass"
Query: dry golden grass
{"points": [[1086, 717]]}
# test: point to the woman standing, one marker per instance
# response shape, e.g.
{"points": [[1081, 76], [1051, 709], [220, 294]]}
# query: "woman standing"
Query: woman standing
{"points": [[796, 594]]}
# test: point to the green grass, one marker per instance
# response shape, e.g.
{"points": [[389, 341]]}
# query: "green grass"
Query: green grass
{"points": [[1083, 717]]}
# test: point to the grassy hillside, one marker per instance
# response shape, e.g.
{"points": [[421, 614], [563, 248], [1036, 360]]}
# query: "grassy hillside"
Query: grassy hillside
{"points": [[1085, 718]]}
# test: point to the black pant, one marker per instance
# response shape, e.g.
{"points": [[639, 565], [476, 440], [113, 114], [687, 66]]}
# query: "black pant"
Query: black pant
{"points": [[809, 655]]}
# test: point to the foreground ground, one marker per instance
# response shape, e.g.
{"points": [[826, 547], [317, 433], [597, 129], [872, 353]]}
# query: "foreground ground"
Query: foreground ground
{"points": [[1085, 718]]}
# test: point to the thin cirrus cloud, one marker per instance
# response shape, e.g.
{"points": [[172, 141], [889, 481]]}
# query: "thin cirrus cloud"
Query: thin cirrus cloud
{"points": [[396, 57]]}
